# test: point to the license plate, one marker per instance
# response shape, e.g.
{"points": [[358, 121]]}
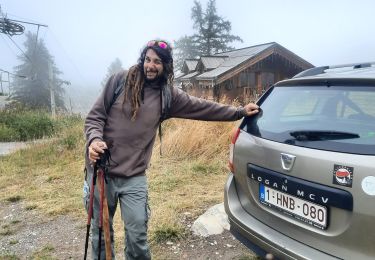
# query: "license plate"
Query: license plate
{"points": [[303, 210]]}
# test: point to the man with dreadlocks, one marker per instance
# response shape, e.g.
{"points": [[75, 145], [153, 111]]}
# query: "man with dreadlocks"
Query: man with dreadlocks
{"points": [[127, 127]]}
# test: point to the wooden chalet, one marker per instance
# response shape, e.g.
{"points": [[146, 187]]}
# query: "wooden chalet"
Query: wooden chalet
{"points": [[242, 74]]}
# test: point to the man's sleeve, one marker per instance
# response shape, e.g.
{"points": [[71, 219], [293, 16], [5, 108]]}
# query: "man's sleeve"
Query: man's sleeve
{"points": [[189, 107]]}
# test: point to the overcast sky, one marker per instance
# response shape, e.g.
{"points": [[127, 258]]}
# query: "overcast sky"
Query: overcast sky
{"points": [[86, 36]]}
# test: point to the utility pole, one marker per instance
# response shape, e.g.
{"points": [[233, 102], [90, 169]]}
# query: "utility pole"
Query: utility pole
{"points": [[52, 85], [52, 90]]}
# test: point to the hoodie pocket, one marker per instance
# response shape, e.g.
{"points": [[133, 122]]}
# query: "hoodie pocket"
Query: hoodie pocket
{"points": [[127, 159]]}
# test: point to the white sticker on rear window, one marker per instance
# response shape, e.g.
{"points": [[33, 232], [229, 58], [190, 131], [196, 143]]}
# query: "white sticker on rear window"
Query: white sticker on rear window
{"points": [[368, 185]]}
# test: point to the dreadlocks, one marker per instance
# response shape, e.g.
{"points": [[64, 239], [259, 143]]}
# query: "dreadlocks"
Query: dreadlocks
{"points": [[133, 87], [136, 77]]}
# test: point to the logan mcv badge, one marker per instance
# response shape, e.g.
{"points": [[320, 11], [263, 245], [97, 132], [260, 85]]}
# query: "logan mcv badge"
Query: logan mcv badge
{"points": [[287, 161]]}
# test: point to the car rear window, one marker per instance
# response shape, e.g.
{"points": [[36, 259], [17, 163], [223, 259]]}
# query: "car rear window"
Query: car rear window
{"points": [[334, 118]]}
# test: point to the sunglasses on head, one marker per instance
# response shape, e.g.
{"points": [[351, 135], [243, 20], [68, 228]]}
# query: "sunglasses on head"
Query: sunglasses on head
{"points": [[160, 44]]}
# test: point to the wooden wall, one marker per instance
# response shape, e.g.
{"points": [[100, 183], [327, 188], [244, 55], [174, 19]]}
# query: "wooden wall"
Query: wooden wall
{"points": [[247, 84]]}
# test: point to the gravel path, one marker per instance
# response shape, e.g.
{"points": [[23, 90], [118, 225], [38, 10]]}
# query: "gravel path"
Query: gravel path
{"points": [[9, 147], [25, 234]]}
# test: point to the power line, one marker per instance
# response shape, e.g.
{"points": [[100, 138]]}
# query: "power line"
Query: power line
{"points": [[11, 27], [19, 48], [22, 18], [15, 75], [8, 45], [38, 24], [67, 55]]}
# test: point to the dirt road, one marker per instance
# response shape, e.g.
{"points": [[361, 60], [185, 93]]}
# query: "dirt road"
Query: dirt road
{"points": [[26, 234]]}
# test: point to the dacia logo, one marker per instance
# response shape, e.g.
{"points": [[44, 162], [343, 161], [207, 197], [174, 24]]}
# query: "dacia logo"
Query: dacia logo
{"points": [[287, 161]]}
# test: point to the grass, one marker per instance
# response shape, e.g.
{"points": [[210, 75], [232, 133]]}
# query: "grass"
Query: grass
{"points": [[9, 229], [13, 242], [13, 199], [8, 256], [49, 174], [168, 233], [188, 177], [44, 254], [31, 207], [6, 232]]}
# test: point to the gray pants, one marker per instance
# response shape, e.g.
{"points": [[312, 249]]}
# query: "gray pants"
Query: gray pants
{"points": [[132, 195]]}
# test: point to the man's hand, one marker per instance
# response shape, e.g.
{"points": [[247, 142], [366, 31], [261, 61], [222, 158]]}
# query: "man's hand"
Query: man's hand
{"points": [[251, 109], [96, 148]]}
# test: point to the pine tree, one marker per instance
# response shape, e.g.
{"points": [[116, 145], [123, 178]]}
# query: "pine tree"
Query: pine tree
{"points": [[32, 90], [212, 36], [114, 67], [185, 48]]}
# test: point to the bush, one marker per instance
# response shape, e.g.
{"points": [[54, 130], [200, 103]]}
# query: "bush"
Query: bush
{"points": [[25, 125], [7, 134]]}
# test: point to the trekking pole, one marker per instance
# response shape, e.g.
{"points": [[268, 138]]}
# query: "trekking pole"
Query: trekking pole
{"points": [[90, 211], [104, 225], [101, 195], [100, 169]]}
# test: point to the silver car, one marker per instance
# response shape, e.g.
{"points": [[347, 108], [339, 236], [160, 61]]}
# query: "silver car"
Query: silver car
{"points": [[302, 181]]}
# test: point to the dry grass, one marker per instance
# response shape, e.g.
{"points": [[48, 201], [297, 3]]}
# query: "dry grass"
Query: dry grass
{"points": [[191, 173], [189, 177], [46, 176], [185, 139]]}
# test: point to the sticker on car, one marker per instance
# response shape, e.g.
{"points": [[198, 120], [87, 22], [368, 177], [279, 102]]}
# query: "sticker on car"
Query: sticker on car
{"points": [[343, 175]]}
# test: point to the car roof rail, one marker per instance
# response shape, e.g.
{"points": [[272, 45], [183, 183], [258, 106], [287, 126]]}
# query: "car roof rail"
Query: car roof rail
{"points": [[320, 70], [312, 72], [354, 65]]}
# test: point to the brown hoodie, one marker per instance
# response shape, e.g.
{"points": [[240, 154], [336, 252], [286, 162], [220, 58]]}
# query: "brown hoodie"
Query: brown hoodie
{"points": [[130, 142]]}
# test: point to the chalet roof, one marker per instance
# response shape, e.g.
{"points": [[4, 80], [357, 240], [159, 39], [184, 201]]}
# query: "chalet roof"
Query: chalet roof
{"points": [[189, 76], [234, 58], [191, 64], [237, 57], [212, 62], [179, 75]]}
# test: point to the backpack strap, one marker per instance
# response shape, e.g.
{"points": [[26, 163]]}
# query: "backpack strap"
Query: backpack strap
{"points": [[119, 88], [166, 100], [165, 107]]}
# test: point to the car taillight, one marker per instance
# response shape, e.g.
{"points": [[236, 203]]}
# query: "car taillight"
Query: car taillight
{"points": [[235, 135]]}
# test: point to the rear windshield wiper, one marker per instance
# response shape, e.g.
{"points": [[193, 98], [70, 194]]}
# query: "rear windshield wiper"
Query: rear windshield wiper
{"points": [[314, 135]]}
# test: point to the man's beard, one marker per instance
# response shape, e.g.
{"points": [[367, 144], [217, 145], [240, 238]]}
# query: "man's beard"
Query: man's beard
{"points": [[156, 79]]}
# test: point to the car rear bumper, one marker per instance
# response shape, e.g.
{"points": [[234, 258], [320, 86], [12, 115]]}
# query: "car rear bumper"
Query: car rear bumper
{"points": [[259, 237]]}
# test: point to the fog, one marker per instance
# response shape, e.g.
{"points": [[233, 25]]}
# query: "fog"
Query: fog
{"points": [[86, 36]]}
